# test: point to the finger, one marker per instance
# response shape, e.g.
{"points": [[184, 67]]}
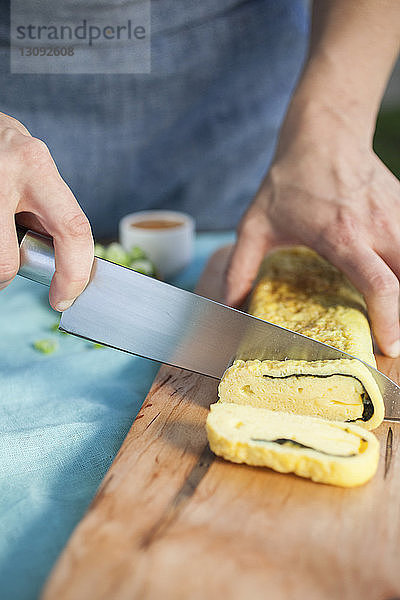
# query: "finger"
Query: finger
{"points": [[8, 121], [9, 250], [380, 288], [254, 239], [61, 215]]}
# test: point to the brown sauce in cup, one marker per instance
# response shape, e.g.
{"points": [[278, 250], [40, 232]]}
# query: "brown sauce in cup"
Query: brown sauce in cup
{"points": [[156, 224]]}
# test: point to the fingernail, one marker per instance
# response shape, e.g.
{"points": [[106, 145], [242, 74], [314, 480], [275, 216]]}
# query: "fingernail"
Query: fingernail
{"points": [[394, 349], [61, 306]]}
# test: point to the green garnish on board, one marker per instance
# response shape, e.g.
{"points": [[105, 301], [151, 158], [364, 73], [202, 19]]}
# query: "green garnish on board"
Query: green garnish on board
{"points": [[46, 346]]}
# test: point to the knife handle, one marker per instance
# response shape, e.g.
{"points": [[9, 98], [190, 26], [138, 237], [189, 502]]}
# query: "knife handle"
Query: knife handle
{"points": [[36, 256]]}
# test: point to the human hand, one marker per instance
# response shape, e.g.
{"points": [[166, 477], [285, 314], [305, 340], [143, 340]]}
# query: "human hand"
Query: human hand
{"points": [[32, 188], [328, 190]]}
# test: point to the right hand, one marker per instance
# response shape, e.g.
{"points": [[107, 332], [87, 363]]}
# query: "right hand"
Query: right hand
{"points": [[32, 188], [328, 190]]}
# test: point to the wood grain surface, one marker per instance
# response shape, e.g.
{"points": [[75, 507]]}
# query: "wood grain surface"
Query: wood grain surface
{"points": [[170, 521]]}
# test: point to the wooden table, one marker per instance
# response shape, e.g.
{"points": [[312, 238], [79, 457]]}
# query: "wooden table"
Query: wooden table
{"points": [[171, 521]]}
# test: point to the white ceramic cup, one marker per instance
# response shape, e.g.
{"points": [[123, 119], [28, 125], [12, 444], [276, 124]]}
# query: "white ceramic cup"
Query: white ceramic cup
{"points": [[170, 248]]}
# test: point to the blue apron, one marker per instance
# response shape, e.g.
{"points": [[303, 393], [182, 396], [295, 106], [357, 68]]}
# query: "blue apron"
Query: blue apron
{"points": [[196, 134]]}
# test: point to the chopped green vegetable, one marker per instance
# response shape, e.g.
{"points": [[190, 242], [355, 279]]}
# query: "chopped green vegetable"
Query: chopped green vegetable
{"points": [[136, 259], [55, 327], [116, 254], [143, 266], [136, 253], [96, 346], [46, 346]]}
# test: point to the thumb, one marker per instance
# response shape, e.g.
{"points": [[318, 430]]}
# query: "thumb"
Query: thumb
{"points": [[254, 240]]}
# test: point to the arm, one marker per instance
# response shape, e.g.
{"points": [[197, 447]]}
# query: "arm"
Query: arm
{"points": [[326, 188], [32, 188]]}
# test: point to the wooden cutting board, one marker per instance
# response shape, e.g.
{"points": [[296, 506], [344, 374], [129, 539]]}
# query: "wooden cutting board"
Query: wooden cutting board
{"points": [[171, 521]]}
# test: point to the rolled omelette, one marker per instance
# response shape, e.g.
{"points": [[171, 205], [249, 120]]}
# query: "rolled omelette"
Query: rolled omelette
{"points": [[331, 452], [299, 290]]}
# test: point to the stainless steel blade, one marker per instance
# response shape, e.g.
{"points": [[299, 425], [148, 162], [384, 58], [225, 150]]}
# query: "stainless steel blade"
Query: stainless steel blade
{"points": [[146, 317]]}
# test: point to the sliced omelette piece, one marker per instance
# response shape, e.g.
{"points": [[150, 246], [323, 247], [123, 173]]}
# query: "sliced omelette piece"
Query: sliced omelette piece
{"points": [[325, 451], [299, 290], [341, 390]]}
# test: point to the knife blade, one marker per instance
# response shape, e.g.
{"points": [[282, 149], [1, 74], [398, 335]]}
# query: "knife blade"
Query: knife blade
{"points": [[146, 317]]}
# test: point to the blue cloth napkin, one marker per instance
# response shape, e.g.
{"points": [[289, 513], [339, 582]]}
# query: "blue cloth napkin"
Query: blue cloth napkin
{"points": [[63, 418]]}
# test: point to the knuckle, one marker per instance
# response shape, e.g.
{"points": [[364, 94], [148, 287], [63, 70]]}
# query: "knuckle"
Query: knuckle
{"points": [[75, 225], [251, 225], [9, 135], [34, 151], [12, 137], [13, 124], [344, 231], [383, 284]]}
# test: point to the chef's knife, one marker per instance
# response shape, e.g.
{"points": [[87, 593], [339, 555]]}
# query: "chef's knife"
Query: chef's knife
{"points": [[143, 316]]}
